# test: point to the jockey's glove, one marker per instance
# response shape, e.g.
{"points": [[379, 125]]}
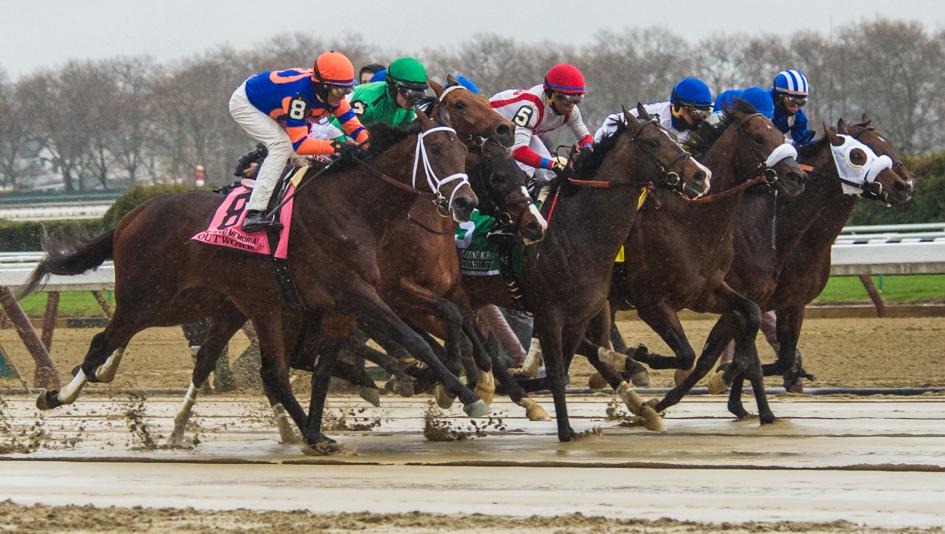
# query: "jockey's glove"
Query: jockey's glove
{"points": [[347, 150]]}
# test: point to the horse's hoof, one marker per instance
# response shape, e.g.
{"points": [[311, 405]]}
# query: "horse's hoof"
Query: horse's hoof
{"points": [[289, 437], [371, 395], [533, 410], [176, 440], [402, 386], [597, 381], [796, 387], [680, 375], [571, 435], [48, 400], [768, 419], [652, 420], [325, 447], [485, 387], [477, 409], [640, 379], [716, 383], [444, 399]]}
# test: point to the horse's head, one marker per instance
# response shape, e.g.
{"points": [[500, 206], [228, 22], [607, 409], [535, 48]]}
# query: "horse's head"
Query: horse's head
{"points": [[659, 158], [473, 117], [761, 148], [442, 157], [500, 185], [887, 178]]}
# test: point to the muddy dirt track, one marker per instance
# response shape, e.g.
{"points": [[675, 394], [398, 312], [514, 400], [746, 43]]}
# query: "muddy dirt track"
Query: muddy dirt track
{"points": [[831, 465], [892, 352]]}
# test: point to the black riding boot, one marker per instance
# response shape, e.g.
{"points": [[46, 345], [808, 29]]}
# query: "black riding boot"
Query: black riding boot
{"points": [[256, 220]]}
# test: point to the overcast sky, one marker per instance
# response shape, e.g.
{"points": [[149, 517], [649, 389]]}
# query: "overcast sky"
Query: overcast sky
{"points": [[44, 33]]}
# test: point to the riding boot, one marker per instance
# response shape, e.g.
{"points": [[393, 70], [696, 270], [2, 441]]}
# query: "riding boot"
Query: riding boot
{"points": [[256, 221]]}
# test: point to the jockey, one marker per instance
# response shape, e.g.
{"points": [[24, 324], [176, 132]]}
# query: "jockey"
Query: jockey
{"points": [[758, 97], [368, 71], [392, 101], [542, 109], [277, 109], [789, 92], [688, 105]]}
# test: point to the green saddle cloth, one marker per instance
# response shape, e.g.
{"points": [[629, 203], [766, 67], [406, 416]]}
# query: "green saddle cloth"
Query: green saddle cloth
{"points": [[478, 255]]}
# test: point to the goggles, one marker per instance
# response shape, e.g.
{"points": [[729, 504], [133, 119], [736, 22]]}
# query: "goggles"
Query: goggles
{"points": [[340, 90], [801, 101], [409, 93], [570, 99], [698, 112]]}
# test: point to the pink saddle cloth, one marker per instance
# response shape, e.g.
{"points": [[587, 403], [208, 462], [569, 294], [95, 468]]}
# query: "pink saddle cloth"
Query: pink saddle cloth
{"points": [[226, 226]]}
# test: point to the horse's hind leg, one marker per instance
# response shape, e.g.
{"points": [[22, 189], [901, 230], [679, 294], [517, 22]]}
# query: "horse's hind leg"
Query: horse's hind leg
{"points": [[221, 328], [100, 362], [665, 322], [274, 371]]}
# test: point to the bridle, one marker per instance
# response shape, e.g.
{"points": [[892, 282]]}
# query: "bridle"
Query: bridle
{"points": [[442, 202], [667, 177], [494, 202]]}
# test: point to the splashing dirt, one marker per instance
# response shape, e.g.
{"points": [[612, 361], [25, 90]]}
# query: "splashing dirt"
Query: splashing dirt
{"points": [[437, 427], [354, 419]]}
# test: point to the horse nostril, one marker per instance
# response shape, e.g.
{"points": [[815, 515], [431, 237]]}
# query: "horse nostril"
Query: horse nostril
{"points": [[503, 134]]}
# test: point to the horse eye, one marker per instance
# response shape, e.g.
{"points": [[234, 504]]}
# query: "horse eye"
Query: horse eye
{"points": [[758, 138], [858, 157], [499, 178], [460, 105], [653, 143]]}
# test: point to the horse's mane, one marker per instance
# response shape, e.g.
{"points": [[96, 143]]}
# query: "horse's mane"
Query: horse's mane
{"points": [[811, 149], [382, 136], [707, 134], [586, 165]]}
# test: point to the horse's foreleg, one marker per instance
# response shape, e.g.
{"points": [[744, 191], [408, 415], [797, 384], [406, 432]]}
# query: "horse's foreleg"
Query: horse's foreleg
{"points": [[378, 315], [274, 371], [550, 331], [220, 329]]}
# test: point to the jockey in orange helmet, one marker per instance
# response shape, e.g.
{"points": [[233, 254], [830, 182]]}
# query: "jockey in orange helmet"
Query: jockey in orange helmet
{"points": [[278, 108]]}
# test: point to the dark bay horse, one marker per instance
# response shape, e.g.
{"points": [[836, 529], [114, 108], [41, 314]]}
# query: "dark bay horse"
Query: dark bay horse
{"points": [[566, 276], [419, 269], [678, 253], [163, 278], [787, 276]]}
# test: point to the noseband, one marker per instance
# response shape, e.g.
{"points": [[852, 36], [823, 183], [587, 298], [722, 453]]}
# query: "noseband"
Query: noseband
{"points": [[442, 202]]}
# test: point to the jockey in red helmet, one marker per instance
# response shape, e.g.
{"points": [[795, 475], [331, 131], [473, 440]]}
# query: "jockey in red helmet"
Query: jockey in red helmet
{"points": [[542, 109], [278, 109]]}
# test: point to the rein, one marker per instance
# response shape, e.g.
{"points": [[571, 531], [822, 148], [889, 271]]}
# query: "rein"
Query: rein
{"points": [[728, 192]]}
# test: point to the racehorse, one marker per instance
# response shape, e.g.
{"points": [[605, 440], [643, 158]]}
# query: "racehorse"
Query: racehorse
{"points": [[678, 253], [791, 271], [419, 269], [566, 276], [164, 278]]}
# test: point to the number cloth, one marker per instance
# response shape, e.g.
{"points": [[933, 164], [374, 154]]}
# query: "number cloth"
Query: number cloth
{"points": [[533, 116]]}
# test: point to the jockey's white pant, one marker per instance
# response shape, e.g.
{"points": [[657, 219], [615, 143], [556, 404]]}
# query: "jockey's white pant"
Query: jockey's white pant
{"points": [[542, 175], [267, 131]]}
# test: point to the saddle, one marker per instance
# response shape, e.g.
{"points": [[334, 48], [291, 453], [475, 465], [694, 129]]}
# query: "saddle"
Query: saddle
{"points": [[225, 228]]}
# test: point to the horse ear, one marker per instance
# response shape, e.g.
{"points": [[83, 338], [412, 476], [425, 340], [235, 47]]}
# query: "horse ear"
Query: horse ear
{"points": [[437, 88], [451, 80], [842, 127], [425, 122], [831, 136], [444, 113], [642, 113], [865, 120]]}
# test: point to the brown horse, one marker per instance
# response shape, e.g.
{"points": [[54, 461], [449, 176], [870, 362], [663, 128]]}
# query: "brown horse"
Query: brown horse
{"points": [[678, 253], [788, 275], [566, 276], [164, 278], [419, 270]]}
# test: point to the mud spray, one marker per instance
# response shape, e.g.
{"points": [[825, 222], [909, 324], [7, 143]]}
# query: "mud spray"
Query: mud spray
{"points": [[438, 427]]}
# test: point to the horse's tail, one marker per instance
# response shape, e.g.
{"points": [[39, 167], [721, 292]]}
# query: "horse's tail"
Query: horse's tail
{"points": [[70, 255]]}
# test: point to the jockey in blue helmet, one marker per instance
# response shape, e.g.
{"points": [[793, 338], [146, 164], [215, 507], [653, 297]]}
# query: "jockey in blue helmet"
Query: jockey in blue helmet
{"points": [[691, 102], [758, 97], [789, 92], [466, 82], [379, 76], [689, 105]]}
